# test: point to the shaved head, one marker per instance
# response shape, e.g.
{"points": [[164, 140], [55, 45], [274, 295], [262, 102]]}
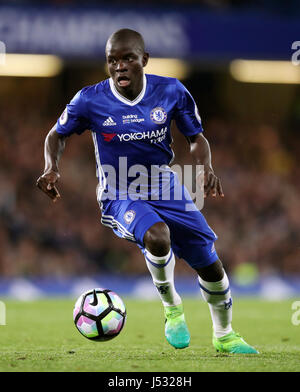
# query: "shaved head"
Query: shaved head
{"points": [[126, 36], [126, 59]]}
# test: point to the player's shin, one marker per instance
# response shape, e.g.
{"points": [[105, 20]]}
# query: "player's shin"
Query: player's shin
{"points": [[162, 272], [218, 297]]}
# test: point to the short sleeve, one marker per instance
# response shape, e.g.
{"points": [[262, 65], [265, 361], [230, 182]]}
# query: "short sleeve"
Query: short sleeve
{"points": [[74, 117], [187, 116]]}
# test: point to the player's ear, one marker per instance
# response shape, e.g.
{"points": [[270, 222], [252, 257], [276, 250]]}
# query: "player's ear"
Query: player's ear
{"points": [[145, 59]]}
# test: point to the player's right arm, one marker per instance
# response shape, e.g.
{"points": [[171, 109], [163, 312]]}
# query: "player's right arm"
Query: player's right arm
{"points": [[53, 148], [73, 120]]}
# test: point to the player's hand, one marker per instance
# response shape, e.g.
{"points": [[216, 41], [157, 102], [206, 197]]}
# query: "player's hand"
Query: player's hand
{"points": [[212, 184], [47, 184]]}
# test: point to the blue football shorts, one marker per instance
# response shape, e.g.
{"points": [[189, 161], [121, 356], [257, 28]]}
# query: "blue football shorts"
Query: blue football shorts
{"points": [[191, 237]]}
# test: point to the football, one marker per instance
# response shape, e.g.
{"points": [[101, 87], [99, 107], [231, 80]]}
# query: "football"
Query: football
{"points": [[99, 314]]}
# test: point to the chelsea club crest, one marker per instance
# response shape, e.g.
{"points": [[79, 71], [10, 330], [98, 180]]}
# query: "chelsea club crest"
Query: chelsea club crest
{"points": [[158, 115], [129, 216]]}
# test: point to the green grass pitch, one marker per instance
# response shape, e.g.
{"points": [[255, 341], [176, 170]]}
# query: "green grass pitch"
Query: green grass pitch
{"points": [[41, 336]]}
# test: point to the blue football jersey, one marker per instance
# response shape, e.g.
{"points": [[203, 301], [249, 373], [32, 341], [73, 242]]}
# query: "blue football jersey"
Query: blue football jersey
{"points": [[128, 135]]}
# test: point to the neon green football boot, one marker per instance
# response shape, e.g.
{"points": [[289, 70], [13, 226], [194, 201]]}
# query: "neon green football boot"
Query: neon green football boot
{"points": [[233, 343], [176, 330]]}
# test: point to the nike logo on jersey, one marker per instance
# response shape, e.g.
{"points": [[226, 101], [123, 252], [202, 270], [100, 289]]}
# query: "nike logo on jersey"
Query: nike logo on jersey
{"points": [[108, 122]]}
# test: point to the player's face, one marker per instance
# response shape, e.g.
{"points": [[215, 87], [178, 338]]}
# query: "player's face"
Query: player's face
{"points": [[125, 63]]}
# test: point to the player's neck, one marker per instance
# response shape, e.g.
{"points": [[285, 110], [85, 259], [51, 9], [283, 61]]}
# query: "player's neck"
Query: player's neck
{"points": [[133, 91]]}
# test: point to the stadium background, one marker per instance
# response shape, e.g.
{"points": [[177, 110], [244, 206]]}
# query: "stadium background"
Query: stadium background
{"points": [[61, 248]]}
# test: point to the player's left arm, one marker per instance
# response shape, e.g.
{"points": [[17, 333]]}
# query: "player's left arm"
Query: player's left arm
{"points": [[200, 150], [188, 121]]}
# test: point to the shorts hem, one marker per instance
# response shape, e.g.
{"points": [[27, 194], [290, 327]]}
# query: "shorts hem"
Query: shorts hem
{"points": [[139, 235], [202, 262]]}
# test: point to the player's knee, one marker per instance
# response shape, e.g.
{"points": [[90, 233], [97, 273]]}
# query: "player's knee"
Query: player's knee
{"points": [[211, 273], [157, 239]]}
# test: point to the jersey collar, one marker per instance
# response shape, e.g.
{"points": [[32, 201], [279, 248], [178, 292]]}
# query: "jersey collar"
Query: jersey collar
{"points": [[125, 100]]}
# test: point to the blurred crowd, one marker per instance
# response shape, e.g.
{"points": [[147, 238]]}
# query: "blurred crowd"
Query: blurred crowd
{"points": [[278, 6], [258, 221]]}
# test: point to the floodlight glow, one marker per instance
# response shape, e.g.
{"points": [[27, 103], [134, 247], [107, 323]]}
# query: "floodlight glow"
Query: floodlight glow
{"points": [[255, 71], [31, 65], [173, 68]]}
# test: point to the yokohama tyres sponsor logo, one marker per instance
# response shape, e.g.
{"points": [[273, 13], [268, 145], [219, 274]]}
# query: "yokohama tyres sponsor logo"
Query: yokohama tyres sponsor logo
{"points": [[126, 137], [159, 135]]}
